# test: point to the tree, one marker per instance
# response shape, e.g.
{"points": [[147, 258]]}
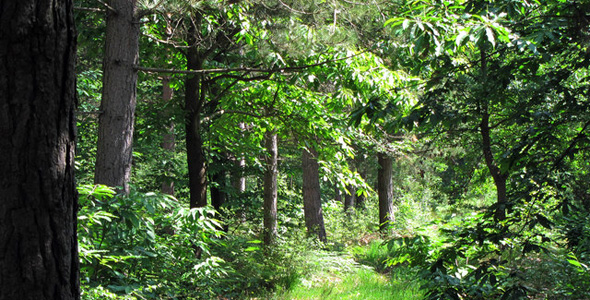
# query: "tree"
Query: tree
{"points": [[117, 108], [312, 201], [38, 256], [168, 139], [270, 188], [385, 191]]}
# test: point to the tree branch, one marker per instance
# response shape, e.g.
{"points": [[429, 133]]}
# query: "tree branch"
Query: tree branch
{"points": [[108, 6], [222, 112], [249, 70], [90, 9]]}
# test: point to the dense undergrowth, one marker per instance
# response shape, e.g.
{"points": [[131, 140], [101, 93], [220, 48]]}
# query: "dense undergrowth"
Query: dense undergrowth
{"points": [[150, 246]]}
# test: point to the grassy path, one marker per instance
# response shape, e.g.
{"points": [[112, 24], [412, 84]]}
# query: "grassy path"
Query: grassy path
{"points": [[339, 276]]}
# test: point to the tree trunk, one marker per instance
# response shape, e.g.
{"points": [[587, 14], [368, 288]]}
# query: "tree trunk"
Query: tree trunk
{"points": [[238, 179], [38, 206], [270, 188], [497, 175], [337, 194], [362, 169], [197, 164], [349, 198], [218, 194], [115, 133], [168, 140], [312, 203], [385, 191]]}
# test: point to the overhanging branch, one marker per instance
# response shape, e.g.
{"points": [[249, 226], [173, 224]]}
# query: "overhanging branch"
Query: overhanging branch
{"points": [[249, 70]]}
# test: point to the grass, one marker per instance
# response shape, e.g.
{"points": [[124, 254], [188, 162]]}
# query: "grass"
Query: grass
{"points": [[361, 283]]}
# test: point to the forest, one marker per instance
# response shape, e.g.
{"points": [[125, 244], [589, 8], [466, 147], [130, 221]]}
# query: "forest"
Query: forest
{"points": [[295, 149]]}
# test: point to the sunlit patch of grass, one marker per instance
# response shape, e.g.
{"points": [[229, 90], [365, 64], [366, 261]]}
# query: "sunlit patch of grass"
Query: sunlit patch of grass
{"points": [[361, 283]]}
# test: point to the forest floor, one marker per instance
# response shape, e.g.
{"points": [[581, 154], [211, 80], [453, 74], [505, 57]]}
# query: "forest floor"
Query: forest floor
{"points": [[342, 275]]}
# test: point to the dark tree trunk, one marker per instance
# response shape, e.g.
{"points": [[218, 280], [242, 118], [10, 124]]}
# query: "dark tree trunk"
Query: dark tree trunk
{"points": [[385, 191], [197, 164], [168, 140], [312, 203], [362, 169], [270, 188], [349, 198], [497, 174], [337, 194], [218, 194], [115, 132], [38, 206]]}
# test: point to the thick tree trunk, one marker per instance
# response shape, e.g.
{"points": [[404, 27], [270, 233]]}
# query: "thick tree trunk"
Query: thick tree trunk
{"points": [[312, 203], [197, 164], [270, 188], [115, 133], [169, 139], [38, 206], [385, 191]]}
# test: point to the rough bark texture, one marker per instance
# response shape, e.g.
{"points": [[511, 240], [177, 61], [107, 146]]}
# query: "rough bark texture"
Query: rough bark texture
{"points": [[270, 188], [115, 129], [38, 199], [169, 139], [385, 191], [312, 203], [197, 164]]}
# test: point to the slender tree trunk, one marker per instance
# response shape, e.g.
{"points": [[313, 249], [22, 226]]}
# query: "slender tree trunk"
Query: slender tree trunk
{"points": [[38, 206], [499, 177], [312, 202], [362, 169], [168, 140], [337, 194], [218, 194], [115, 133], [270, 188], [385, 191], [349, 198], [238, 179], [197, 164]]}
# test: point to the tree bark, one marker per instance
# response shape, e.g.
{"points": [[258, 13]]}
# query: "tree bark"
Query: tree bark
{"points": [[385, 191], [499, 177], [168, 140], [218, 194], [362, 169], [270, 188], [238, 179], [312, 203], [38, 206], [497, 174], [115, 133], [194, 98], [349, 198]]}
